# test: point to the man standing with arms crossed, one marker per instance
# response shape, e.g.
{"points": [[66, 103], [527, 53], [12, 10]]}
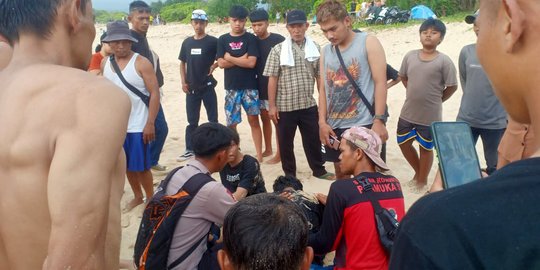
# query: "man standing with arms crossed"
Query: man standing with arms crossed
{"points": [[197, 62], [139, 17], [340, 106], [61, 160], [237, 53], [266, 41]]}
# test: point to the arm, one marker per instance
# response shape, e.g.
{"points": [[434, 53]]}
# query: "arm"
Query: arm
{"points": [[146, 70], [80, 179], [272, 92], [245, 61], [404, 80], [462, 62], [392, 75], [251, 170], [212, 68], [330, 233], [222, 63], [325, 130], [185, 86], [393, 82], [448, 92], [377, 64]]}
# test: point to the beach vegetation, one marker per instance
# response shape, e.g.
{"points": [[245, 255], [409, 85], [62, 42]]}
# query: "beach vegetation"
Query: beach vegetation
{"points": [[102, 16]]}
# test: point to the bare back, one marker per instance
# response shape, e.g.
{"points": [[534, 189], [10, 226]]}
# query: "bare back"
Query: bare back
{"points": [[61, 168]]}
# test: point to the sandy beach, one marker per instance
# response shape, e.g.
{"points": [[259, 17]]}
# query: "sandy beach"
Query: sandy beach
{"points": [[166, 41]]}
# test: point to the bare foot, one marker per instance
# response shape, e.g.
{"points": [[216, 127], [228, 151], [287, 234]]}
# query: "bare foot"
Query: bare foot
{"points": [[260, 158], [132, 204], [276, 159], [267, 153]]}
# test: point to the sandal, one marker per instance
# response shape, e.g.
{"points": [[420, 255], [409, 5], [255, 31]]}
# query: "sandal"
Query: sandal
{"points": [[327, 176]]}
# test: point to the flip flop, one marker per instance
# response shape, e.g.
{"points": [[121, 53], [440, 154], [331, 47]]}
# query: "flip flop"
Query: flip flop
{"points": [[327, 176]]}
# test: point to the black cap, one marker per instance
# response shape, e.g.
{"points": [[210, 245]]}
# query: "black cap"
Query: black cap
{"points": [[238, 12], [296, 16], [258, 15], [470, 19]]}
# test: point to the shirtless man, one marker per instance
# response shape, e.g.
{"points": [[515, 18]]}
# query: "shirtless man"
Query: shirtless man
{"points": [[5, 52], [61, 161]]}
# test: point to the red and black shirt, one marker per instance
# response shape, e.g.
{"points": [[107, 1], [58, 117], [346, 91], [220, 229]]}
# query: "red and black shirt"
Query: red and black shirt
{"points": [[349, 222]]}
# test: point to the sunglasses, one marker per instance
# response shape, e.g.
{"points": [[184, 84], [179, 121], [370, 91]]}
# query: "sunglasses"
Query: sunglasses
{"points": [[198, 16]]}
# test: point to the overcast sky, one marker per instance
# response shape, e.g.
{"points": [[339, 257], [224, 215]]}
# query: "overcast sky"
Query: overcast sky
{"points": [[114, 5]]}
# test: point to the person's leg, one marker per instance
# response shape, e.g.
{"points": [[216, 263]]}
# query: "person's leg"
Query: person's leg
{"points": [[425, 140], [210, 103], [233, 115], [135, 185], [405, 137], [267, 129], [193, 109], [277, 156], [156, 146], [250, 101], [147, 182], [286, 130], [490, 140], [308, 124]]}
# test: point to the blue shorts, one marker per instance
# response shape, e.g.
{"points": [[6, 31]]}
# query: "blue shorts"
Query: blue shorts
{"points": [[407, 131], [248, 98], [137, 153]]}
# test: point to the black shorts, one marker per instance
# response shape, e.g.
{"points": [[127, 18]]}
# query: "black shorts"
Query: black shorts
{"points": [[407, 131]]}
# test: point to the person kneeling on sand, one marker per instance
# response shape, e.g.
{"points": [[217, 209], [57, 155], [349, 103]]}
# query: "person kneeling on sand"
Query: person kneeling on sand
{"points": [[354, 236], [265, 232], [242, 174]]}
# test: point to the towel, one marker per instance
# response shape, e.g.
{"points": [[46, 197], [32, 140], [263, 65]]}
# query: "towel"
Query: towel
{"points": [[286, 58]]}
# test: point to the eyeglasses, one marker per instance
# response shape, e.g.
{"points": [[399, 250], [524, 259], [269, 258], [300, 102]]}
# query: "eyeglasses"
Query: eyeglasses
{"points": [[199, 16]]}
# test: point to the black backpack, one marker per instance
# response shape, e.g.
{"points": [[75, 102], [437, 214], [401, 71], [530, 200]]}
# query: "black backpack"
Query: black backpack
{"points": [[159, 221]]}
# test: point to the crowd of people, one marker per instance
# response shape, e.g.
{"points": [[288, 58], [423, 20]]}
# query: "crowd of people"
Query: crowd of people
{"points": [[71, 138]]}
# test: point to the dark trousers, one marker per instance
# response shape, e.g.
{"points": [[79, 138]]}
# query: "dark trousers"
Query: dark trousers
{"points": [[162, 129], [193, 109], [490, 141], [307, 120]]}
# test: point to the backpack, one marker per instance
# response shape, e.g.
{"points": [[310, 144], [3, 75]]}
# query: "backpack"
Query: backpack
{"points": [[159, 220], [385, 221]]}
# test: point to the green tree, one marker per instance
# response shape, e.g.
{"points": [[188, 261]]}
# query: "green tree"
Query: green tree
{"points": [[283, 5], [180, 11]]}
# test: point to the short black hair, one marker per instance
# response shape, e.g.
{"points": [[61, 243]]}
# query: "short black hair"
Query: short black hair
{"points": [[236, 137], [258, 15], [265, 232], [435, 24], [139, 6], [30, 16], [239, 12], [283, 182], [210, 138]]}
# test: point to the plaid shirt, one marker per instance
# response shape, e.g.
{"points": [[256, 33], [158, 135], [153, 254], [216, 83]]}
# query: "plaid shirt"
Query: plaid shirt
{"points": [[295, 84]]}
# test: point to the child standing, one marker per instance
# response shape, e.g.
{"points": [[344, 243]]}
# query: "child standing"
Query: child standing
{"points": [[430, 79]]}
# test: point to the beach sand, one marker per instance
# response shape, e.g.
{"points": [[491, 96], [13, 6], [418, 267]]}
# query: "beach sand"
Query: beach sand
{"points": [[166, 41]]}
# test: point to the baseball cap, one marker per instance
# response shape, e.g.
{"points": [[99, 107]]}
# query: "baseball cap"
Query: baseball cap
{"points": [[296, 16], [258, 15], [368, 141], [470, 19], [199, 14]]}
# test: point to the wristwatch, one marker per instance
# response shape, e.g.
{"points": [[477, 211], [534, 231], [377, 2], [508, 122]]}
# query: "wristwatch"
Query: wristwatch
{"points": [[381, 117]]}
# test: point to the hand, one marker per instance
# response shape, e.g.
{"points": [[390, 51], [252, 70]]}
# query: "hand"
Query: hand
{"points": [[185, 88], [286, 195], [322, 198], [149, 133], [325, 130], [212, 68], [380, 129], [273, 114]]}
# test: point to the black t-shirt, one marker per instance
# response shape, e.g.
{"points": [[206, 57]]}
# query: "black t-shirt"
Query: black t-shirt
{"points": [[391, 73], [247, 174], [488, 224], [143, 49], [199, 55], [239, 78], [265, 46]]}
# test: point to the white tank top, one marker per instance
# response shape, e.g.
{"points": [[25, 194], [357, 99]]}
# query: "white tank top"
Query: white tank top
{"points": [[139, 111]]}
